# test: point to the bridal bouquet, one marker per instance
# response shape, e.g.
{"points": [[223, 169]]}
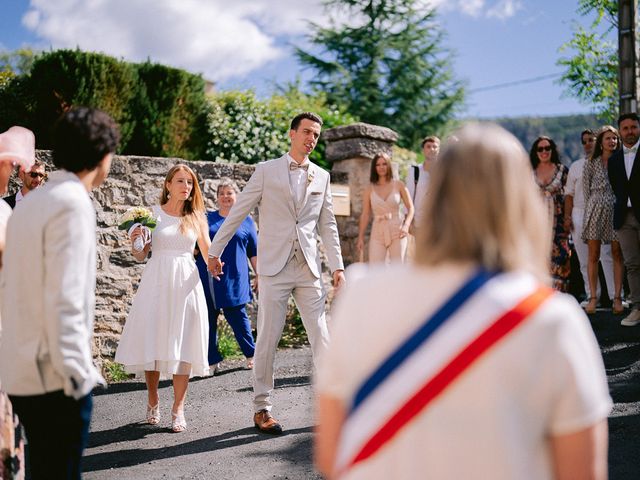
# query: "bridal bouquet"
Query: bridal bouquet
{"points": [[138, 217]]}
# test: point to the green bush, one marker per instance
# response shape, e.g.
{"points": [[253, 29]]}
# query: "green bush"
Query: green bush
{"points": [[161, 111], [171, 113], [243, 128], [64, 78]]}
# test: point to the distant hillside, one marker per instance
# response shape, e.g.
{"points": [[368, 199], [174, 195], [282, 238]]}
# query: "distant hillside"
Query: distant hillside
{"points": [[564, 130]]}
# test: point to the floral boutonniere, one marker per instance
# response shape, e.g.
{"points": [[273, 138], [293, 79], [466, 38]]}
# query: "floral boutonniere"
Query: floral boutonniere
{"points": [[310, 175]]}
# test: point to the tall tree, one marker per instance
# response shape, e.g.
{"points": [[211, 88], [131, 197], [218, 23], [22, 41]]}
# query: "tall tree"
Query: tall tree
{"points": [[591, 71], [387, 66]]}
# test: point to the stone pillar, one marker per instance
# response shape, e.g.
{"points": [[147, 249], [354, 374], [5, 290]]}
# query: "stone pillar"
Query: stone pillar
{"points": [[351, 149]]}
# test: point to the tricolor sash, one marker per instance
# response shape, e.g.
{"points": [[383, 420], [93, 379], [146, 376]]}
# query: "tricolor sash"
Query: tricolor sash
{"points": [[479, 314]]}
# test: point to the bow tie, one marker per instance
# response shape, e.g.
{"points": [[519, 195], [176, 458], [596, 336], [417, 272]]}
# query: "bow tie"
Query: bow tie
{"points": [[295, 166], [630, 150]]}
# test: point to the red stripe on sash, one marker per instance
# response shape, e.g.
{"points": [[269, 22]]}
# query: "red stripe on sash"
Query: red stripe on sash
{"points": [[450, 372]]}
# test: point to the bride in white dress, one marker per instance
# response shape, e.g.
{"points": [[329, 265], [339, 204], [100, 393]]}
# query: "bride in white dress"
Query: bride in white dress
{"points": [[166, 330]]}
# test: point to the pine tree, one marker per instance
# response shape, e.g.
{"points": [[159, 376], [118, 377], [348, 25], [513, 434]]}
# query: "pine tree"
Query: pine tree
{"points": [[387, 66]]}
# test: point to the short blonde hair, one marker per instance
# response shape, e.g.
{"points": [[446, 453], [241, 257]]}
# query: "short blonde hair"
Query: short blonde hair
{"points": [[483, 206]]}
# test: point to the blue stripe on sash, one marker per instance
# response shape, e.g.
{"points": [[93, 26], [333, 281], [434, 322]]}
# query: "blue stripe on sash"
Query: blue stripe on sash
{"points": [[421, 335]]}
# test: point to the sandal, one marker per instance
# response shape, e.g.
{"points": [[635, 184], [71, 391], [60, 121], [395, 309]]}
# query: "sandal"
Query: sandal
{"points": [[617, 302], [178, 423], [591, 306], [249, 364], [153, 414]]}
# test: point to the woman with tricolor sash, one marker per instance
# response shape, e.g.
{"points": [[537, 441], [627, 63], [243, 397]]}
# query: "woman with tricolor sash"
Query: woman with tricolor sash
{"points": [[476, 368]]}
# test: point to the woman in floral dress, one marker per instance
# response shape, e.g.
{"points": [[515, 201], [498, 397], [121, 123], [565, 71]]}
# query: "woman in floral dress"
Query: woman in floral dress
{"points": [[551, 177]]}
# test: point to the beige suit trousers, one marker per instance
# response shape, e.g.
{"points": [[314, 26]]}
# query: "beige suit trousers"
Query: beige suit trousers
{"points": [[273, 294]]}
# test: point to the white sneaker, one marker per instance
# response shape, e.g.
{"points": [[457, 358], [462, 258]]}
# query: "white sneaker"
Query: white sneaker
{"points": [[632, 319]]}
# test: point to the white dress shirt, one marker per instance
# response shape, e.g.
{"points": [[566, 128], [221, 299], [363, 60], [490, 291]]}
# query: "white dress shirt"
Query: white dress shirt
{"points": [[574, 184], [629, 157], [19, 196], [418, 192], [298, 180]]}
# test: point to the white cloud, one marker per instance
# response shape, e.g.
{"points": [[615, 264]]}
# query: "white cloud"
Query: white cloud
{"points": [[504, 9], [221, 39]]}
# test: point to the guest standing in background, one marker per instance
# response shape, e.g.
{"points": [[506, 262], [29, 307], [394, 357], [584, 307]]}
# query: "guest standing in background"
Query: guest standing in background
{"points": [[624, 177], [598, 216], [574, 216], [233, 291], [46, 362], [17, 147], [447, 381], [418, 177], [166, 331], [551, 176], [383, 198], [31, 180]]}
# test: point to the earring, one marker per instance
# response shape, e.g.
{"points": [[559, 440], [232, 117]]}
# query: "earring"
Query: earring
{"points": [[190, 198], [168, 195]]}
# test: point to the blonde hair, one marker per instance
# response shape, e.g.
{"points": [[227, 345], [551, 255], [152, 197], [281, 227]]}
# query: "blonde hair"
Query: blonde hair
{"points": [[484, 207], [193, 208]]}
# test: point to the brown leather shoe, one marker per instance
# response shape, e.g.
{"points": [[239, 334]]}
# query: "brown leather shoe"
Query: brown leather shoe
{"points": [[266, 423]]}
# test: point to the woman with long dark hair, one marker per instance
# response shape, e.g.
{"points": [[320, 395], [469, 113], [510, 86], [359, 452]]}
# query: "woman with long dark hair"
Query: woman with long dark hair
{"points": [[551, 177]]}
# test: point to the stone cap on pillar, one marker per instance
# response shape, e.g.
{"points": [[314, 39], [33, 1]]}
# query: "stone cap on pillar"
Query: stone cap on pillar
{"points": [[358, 140]]}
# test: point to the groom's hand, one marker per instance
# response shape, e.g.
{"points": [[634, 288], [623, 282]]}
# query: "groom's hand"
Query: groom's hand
{"points": [[338, 280], [215, 267]]}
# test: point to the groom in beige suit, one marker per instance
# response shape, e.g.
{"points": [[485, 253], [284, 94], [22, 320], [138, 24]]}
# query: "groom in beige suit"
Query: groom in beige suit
{"points": [[294, 201]]}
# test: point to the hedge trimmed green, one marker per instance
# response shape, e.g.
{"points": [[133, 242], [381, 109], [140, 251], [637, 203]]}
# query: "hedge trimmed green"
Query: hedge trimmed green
{"points": [[162, 111]]}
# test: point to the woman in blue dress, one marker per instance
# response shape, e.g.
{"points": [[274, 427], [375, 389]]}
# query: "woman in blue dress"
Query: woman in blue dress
{"points": [[232, 292]]}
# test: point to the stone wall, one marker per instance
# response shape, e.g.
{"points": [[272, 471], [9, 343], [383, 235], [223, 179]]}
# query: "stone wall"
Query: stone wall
{"points": [[137, 181], [351, 149]]}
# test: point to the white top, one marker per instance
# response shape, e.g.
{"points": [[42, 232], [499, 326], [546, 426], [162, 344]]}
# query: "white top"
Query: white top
{"points": [[19, 196], [298, 180], [48, 288], [545, 378], [574, 183], [629, 158], [421, 190]]}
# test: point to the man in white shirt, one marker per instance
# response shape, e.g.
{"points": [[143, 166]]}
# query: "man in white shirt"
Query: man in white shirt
{"points": [[624, 176], [418, 177], [574, 216], [30, 181], [48, 309]]}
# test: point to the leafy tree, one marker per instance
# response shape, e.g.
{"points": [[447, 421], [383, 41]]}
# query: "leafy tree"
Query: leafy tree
{"points": [[390, 68], [18, 61], [243, 128], [591, 72]]}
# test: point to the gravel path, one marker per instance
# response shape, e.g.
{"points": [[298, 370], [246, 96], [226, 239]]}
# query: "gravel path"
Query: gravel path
{"points": [[221, 442]]}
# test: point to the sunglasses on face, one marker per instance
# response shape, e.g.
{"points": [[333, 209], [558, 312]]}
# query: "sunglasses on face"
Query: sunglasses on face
{"points": [[37, 175], [544, 149]]}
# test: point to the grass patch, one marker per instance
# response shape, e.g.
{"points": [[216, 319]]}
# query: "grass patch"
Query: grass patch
{"points": [[227, 345], [294, 334], [114, 372]]}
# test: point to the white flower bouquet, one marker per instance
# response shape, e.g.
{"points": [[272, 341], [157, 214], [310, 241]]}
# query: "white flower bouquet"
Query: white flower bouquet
{"points": [[138, 217]]}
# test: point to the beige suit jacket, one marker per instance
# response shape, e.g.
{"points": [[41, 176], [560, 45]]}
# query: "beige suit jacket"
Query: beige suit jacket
{"points": [[280, 224]]}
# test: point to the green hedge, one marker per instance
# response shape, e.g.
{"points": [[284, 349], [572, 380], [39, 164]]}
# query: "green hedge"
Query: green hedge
{"points": [[162, 111], [243, 128]]}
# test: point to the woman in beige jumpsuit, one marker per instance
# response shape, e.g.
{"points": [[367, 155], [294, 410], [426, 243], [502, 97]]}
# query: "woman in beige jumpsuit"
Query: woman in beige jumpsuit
{"points": [[382, 200]]}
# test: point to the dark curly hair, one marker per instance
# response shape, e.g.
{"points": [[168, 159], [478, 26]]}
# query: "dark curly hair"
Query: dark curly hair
{"points": [[82, 137], [533, 153]]}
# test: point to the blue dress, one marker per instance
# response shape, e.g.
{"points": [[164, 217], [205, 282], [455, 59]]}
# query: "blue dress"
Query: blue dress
{"points": [[233, 291]]}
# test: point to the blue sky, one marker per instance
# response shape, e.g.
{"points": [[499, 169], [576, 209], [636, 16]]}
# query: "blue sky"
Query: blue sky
{"points": [[246, 43]]}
